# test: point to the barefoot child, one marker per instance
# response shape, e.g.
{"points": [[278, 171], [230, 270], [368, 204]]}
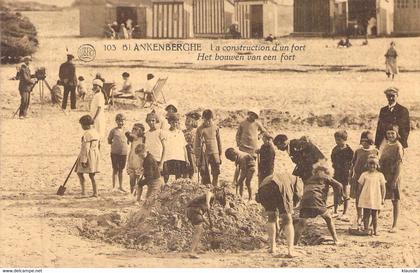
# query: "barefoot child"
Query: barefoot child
{"points": [[81, 88], [245, 169], [176, 156], [151, 176], [155, 139], [391, 162], [208, 149], [119, 147], [191, 123], [195, 213], [89, 154], [359, 165], [372, 193], [314, 198], [134, 162], [267, 155], [341, 157]]}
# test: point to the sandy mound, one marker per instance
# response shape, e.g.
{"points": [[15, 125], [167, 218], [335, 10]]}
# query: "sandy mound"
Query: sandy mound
{"points": [[165, 227]]}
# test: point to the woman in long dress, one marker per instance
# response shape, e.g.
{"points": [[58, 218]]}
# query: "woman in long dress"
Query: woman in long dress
{"points": [[391, 61], [97, 107]]}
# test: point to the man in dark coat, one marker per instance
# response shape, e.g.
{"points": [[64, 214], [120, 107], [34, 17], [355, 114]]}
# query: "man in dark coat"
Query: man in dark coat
{"points": [[67, 75], [26, 84], [393, 114], [302, 152]]}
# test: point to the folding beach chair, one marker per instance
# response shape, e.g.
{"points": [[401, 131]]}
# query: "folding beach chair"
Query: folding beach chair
{"points": [[152, 97]]}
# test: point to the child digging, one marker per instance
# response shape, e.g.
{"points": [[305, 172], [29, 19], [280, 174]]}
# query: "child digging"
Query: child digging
{"points": [[245, 169], [314, 199], [88, 161], [359, 165], [195, 213], [372, 193], [119, 148], [341, 157], [391, 162], [151, 176], [134, 162]]}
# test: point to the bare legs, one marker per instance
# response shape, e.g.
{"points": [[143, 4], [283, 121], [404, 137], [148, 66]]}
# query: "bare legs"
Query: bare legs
{"points": [[395, 213], [247, 178], [198, 232], [331, 228], [82, 183], [286, 225], [117, 174]]}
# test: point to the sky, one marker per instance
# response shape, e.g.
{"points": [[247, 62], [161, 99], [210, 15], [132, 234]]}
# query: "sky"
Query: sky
{"points": [[60, 3]]}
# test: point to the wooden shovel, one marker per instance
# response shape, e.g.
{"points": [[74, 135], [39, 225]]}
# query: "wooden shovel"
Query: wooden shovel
{"points": [[62, 188]]}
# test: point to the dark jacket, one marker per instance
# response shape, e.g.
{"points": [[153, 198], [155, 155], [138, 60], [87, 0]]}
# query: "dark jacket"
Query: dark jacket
{"points": [[400, 117], [67, 74], [304, 154], [25, 83]]}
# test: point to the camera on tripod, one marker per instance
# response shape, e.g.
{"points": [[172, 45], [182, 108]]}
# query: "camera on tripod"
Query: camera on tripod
{"points": [[41, 74]]}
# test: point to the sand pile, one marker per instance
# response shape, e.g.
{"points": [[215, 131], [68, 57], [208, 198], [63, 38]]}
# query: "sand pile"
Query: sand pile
{"points": [[239, 226]]}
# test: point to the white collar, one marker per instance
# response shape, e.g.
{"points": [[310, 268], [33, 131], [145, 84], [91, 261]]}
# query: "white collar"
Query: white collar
{"points": [[392, 105]]}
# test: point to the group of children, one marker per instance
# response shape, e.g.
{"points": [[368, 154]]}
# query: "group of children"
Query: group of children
{"points": [[367, 175]]}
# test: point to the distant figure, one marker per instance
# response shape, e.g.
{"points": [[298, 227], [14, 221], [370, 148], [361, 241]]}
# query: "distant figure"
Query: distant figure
{"points": [[68, 78], [114, 26], [123, 34], [81, 88], [391, 61], [129, 25], [109, 32], [136, 34], [270, 38], [233, 31], [26, 84], [126, 91], [371, 28], [344, 43]]}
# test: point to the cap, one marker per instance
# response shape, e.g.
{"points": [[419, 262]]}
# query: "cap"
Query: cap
{"points": [[172, 103], [256, 111], [70, 56], [391, 91], [126, 74], [26, 58], [98, 82], [150, 76]]}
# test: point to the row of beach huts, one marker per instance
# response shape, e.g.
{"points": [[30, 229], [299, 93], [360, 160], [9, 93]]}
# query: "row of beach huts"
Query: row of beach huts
{"points": [[254, 19]]}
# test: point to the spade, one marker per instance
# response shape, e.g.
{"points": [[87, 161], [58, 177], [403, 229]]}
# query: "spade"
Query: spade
{"points": [[62, 188]]}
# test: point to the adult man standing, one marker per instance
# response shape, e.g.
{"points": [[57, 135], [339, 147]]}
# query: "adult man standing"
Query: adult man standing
{"points": [[26, 83], [393, 114], [302, 152], [280, 193], [67, 75]]}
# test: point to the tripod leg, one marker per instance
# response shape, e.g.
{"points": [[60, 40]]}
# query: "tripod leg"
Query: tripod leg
{"points": [[17, 110]]}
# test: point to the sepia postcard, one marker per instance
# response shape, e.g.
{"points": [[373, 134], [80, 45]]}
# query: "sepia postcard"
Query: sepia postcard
{"points": [[209, 134]]}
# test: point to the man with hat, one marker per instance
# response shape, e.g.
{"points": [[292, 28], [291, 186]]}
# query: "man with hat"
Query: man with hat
{"points": [[393, 114], [26, 83], [247, 134], [67, 75]]}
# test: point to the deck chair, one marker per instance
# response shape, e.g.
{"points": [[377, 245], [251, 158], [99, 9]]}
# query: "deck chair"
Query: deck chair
{"points": [[152, 97], [109, 88]]}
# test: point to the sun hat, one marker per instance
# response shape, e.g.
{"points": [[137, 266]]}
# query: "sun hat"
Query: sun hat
{"points": [[98, 82]]}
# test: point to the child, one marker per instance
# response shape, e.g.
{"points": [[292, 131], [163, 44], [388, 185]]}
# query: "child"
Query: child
{"points": [[391, 61], [390, 162], [134, 162], [359, 166], [176, 157], [267, 155], [81, 88], [56, 93], [191, 123], [341, 157], [314, 198], [88, 161], [155, 139], [208, 149], [118, 142], [195, 213], [247, 134], [126, 91], [372, 193], [151, 176], [245, 168]]}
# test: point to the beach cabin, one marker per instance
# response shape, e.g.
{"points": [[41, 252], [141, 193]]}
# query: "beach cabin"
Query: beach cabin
{"points": [[320, 17], [155, 18], [212, 18], [258, 18], [407, 17], [378, 15]]}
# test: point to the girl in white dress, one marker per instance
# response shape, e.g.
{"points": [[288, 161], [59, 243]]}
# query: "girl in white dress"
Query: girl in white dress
{"points": [[97, 107]]}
